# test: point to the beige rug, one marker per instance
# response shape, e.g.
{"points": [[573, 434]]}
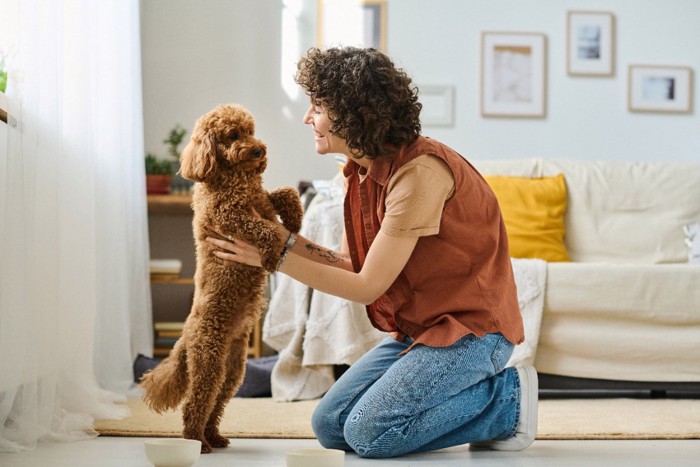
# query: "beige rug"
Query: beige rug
{"points": [[558, 419]]}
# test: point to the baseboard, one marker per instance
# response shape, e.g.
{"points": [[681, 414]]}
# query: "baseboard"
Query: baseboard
{"points": [[569, 386]]}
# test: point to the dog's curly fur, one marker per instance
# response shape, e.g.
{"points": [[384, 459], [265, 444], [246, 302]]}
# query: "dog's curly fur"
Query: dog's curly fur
{"points": [[207, 364]]}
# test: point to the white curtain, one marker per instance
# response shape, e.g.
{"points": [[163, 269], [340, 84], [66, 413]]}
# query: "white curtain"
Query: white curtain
{"points": [[74, 294]]}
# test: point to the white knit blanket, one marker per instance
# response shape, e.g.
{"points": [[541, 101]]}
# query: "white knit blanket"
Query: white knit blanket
{"points": [[531, 280], [312, 331]]}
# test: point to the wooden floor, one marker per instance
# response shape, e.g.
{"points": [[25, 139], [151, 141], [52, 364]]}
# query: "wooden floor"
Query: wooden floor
{"points": [[129, 452]]}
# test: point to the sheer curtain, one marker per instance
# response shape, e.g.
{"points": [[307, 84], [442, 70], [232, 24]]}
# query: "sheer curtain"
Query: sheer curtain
{"points": [[74, 293]]}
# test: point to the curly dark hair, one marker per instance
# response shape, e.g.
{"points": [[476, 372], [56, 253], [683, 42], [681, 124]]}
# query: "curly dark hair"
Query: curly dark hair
{"points": [[371, 104]]}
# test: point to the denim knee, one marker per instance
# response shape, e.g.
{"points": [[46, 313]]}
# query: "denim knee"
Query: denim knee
{"points": [[326, 427], [356, 435], [360, 433]]}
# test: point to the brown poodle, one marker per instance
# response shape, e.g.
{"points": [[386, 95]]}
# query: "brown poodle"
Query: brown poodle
{"points": [[207, 364]]}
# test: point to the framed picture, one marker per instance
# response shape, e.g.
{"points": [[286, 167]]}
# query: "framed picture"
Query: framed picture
{"points": [[590, 43], [653, 88], [437, 104], [513, 74], [360, 23]]}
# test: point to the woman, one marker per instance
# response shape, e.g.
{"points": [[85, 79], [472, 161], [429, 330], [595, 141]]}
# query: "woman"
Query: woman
{"points": [[425, 248]]}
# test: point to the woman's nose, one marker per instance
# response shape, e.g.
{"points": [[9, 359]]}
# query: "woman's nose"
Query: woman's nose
{"points": [[307, 116]]}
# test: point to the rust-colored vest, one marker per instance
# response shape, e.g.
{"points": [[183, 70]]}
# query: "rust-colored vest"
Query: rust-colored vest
{"points": [[455, 283]]}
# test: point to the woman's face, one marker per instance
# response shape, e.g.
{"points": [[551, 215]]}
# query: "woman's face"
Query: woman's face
{"points": [[326, 142]]}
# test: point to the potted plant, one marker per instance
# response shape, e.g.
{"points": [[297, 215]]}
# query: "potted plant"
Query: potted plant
{"points": [[159, 175], [3, 73], [159, 172], [175, 137]]}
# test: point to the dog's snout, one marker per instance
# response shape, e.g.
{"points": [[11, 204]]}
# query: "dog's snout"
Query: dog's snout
{"points": [[258, 152]]}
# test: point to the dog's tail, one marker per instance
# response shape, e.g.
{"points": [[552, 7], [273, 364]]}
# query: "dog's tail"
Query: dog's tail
{"points": [[165, 385]]}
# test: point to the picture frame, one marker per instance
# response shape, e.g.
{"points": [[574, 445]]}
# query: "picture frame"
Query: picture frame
{"points": [[513, 74], [359, 23], [590, 38], [438, 105], [660, 88]]}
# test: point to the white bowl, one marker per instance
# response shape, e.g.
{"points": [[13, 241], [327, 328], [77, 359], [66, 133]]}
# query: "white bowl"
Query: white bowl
{"points": [[173, 452], [316, 458]]}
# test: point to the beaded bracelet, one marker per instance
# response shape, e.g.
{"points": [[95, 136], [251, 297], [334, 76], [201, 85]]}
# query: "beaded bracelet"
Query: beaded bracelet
{"points": [[287, 246]]}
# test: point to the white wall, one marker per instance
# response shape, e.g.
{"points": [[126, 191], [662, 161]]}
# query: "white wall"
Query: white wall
{"points": [[199, 54]]}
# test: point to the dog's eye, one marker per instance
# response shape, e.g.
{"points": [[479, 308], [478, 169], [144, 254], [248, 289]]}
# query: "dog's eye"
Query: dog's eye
{"points": [[233, 136]]}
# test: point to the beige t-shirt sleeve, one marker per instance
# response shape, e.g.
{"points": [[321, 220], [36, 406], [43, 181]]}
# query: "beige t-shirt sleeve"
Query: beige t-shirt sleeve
{"points": [[416, 196]]}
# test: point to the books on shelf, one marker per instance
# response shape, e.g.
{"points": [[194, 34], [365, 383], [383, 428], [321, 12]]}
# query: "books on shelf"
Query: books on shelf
{"points": [[166, 334], [165, 266], [167, 271], [168, 328]]}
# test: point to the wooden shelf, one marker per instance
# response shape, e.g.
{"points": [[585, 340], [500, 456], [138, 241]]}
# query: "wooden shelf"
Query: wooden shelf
{"points": [[181, 205], [3, 107], [171, 279], [169, 205]]}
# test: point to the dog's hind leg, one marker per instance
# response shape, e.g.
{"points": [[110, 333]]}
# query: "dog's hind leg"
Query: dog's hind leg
{"points": [[235, 371], [206, 365]]}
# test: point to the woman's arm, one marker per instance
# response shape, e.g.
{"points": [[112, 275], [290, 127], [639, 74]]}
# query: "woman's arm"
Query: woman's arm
{"points": [[304, 247], [385, 259], [315, 252]]}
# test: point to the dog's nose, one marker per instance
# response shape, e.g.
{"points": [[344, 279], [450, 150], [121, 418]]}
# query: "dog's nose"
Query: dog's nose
{"points": [[257, 152]]}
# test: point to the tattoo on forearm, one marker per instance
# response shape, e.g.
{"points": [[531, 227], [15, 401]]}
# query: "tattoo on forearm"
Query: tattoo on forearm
{"points": [[328, 255]]}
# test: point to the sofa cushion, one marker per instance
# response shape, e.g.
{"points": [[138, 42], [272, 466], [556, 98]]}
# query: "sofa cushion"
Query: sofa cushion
{"points": [[628, 212], [621, 321], [514, 167], [533, 211]]}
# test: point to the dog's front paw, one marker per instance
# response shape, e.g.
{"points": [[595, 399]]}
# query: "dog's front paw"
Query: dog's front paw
{"points": [[287, 202], [269, 260]]}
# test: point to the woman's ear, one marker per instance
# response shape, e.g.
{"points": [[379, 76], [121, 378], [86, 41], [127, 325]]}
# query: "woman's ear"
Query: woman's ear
{"points": [[198, 159]]}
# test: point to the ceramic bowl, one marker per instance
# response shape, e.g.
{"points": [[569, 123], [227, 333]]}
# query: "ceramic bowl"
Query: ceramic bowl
{"points": [[315, 458], [173, 452]]}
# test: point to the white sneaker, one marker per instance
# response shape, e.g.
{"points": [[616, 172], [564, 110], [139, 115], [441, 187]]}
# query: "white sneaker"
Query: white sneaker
{"points": [[527, 426]]}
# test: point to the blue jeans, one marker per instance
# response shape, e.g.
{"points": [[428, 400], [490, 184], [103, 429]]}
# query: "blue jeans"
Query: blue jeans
{"points": [[431, 398]]}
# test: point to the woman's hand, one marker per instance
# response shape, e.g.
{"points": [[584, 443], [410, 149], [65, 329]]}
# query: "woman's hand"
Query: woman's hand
{"points": [[234, 249], [238, 250]]}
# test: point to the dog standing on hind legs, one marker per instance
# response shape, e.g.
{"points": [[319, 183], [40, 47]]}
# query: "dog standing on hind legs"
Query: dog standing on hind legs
{"points": [[207, 364]]}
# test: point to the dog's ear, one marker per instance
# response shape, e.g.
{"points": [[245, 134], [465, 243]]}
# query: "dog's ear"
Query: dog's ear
{"points": [[198, 159]]}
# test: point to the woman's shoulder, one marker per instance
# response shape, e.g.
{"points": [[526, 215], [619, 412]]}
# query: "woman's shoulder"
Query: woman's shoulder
{"points": [[429, 161], [423, 171]]}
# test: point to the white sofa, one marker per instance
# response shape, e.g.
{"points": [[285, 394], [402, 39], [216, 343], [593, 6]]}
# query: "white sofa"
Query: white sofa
{"points": [[627, 306]]}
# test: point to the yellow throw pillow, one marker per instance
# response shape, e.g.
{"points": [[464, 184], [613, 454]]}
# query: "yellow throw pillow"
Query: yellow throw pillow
{"points": [[533, 210]]}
